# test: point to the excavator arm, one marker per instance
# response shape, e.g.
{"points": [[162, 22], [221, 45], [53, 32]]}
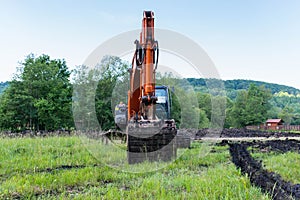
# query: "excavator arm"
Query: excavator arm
{"points": [[141, 96]]}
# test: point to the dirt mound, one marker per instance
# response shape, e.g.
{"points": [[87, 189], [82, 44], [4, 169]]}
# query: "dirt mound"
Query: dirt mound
{"points": [[239, 133], [269, 182], [255, 133], [281, 146], [244, 133]]}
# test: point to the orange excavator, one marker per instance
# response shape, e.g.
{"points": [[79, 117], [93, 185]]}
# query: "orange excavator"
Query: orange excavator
{"points": [[150, 136]]}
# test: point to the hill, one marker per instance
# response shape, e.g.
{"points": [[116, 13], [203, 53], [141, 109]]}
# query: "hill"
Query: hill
{"points": [[233, 86]]}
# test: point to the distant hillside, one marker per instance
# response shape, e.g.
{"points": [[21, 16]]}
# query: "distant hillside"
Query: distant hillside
{"points": [[233, 86], [3, 86]]}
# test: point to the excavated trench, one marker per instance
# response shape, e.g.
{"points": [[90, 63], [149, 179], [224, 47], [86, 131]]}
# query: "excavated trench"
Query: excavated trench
{"points": [[269, 182]]}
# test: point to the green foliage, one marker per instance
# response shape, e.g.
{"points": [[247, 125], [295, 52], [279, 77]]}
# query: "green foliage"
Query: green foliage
{"points": [[287, 115], [3, 86], [185, 109], [197, 109], [15, 107], [204, 101], [175, 109], [251, 107], [282, 97], [257, 105], [287, 107], [238, 110], [112, 71], [234, 86], [39, 97], [97, 91], [203, 120]]}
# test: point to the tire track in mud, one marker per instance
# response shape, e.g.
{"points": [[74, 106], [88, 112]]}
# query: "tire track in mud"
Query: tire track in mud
{"points": [[269, 182], [46, 193], [4, 177]]}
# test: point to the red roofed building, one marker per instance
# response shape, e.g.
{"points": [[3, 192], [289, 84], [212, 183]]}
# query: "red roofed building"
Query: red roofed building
{"points": [[274, 124]]}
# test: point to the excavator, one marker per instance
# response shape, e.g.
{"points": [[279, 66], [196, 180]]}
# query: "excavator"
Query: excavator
{"points": [[151, 133]]}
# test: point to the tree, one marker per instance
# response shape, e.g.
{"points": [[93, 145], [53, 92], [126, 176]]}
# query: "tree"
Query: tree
{"points": [[257, 105], [204, 101], [237, 112], [185, 110], [203, 120], [175, 108], [251, 107], [39, 97], [112, 88], [3, 86], [15, 107], [286, 115]]}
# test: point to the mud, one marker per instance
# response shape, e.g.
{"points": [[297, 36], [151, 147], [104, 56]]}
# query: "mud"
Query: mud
{"points": [[281, 146], [239, 133]]}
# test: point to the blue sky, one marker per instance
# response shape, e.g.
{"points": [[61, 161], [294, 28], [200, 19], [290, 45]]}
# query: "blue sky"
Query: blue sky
{"points": [[258, 39]]}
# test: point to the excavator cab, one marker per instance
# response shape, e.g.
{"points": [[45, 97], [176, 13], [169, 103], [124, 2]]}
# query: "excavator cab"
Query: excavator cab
{"points": [[163, 107], [163, 103]]}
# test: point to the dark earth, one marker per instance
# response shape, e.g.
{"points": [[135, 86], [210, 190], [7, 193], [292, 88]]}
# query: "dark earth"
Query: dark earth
{"points": [[269, 182], [238, 133]]}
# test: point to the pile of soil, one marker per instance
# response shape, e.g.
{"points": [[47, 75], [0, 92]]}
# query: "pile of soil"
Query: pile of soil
{"points": [[255, 133], [281, 146], [269, 182], [239, 133]]}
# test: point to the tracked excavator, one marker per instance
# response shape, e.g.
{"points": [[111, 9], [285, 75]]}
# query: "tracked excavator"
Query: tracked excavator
{"points": [[151, 133]]}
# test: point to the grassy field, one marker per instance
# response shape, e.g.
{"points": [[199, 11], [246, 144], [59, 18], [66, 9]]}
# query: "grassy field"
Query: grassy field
{"points": [[286, 164], [62, 168]]}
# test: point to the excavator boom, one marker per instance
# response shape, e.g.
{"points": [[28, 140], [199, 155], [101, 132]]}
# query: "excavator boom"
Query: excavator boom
{"points": [[141, 95]]}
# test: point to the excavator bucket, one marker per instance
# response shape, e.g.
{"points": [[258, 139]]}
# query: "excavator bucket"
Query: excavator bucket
{"points": [[151, 143]]}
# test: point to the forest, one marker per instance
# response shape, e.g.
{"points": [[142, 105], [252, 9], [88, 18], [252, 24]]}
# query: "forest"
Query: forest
{"points": [[45, 95], [3, 85]]}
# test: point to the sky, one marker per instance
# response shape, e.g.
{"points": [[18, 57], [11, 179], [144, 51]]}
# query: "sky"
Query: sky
{"points": [[249, 39]]}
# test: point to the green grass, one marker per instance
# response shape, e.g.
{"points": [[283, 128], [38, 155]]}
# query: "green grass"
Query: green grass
{"points": [[284, 131], [33, 168], [285, 164]]}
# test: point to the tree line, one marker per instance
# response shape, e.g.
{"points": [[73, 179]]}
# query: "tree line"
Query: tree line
{"points": [[45, 95]]}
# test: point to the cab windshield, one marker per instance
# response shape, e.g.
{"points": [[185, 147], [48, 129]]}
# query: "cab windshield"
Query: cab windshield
{"points": [[160, 92]]}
